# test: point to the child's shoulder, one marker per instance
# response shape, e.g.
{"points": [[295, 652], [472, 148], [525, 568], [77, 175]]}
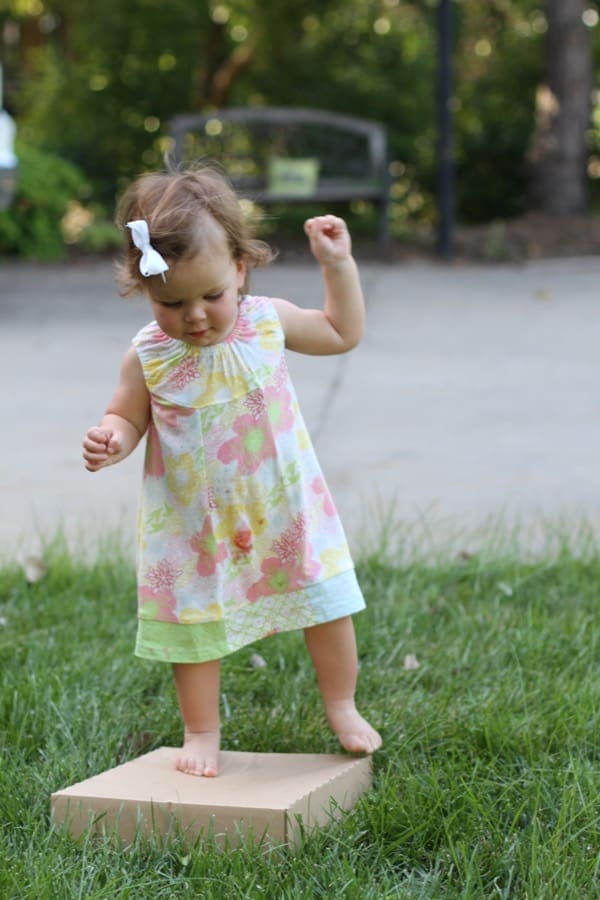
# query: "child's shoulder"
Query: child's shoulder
{"points": [[257, 304], [154, 347], [258, 309], [150, 334]]}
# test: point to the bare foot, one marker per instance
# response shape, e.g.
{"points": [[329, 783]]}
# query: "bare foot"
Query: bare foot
{"points": [[354, 733], [199, 754]]}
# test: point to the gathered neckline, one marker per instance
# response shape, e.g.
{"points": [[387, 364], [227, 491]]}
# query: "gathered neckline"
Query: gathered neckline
{"points": [[233, 335]]}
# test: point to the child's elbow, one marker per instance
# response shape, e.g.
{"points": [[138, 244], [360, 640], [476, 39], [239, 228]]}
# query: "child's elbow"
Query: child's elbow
{"points": [[352, 340]]}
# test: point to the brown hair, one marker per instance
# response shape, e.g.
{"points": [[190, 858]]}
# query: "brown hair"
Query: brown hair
{"points": [[176, 204]]}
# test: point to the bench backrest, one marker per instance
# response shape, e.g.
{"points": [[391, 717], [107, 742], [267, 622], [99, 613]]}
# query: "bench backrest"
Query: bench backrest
{"points": [[350, 152]]}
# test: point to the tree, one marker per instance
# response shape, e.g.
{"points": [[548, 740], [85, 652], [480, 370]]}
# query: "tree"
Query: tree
{"points": [[563, 109], [98, 83], [498, 66]]}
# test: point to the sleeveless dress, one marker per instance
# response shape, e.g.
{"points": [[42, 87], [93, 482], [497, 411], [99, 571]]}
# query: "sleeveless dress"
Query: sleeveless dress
{"points": [[238, 535]]}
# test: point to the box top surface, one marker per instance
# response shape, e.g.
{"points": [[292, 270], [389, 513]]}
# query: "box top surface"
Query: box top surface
{"points": [[259, 780]]}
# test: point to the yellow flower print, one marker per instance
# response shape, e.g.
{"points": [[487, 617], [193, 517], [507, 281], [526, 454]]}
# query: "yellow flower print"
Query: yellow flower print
{"points": [[331, 560], [238, 515], [303, 438], [222, 386], [183, 479], [191, 616], [154, 371], [269, 335]]}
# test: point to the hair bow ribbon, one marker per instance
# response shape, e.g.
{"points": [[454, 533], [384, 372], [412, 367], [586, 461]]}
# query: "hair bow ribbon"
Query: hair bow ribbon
{"points": [[151, 262]]}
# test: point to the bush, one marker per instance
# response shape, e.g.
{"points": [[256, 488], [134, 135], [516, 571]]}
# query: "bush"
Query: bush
{"points": [[47, 185]]}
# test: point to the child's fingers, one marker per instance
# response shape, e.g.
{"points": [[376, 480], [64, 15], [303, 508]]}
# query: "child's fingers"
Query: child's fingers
{"points": [[326, 224], [328, 238], [94, 466], [114, 444], [97, 448], [92, 449], [94, 461], [96, 435]]}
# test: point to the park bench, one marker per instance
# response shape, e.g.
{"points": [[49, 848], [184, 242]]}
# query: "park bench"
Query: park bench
{"points": [[279, 155]]}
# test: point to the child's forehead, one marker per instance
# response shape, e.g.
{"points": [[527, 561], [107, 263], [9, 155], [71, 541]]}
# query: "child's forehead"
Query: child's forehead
{"points": [[203, 272], [208, 236], [209, 251]]}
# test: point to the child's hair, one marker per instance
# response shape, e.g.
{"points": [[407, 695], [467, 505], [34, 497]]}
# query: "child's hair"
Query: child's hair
{"points": [[178, 206]]}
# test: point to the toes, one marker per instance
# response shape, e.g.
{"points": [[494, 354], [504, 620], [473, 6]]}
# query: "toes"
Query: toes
{"points": [[187, 765], [360, 743], [191, 766], [374, 742], [354, 743]]}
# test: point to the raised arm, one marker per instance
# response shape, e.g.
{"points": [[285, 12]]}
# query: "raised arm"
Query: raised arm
{"points": [[339, 326], [124, 422]]}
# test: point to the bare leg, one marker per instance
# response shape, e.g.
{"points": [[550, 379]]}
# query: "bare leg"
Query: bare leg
{"points": [[332, 648], [197, 687]]}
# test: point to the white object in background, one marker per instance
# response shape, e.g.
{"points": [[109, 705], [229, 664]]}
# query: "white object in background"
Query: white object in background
{"points": [[9, 164], [8, 130]]}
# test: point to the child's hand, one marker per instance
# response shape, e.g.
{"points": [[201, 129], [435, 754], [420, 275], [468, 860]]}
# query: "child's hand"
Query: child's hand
{"points": [[101, 447], [329, 239]]}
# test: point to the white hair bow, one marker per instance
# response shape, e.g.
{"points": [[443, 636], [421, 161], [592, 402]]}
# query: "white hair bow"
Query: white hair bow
{"points": [[151, 262]]}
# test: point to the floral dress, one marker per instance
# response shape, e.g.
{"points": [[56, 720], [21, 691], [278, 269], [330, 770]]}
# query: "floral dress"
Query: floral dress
{"points": [[238, 535]]}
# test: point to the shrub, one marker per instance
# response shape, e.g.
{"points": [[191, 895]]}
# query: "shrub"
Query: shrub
{"points": [[31, 226]]}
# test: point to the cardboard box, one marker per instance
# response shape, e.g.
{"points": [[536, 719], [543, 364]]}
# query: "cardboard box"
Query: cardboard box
{"points": [[270, 795]]}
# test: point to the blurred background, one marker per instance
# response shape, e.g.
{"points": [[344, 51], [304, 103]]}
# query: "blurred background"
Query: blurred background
{"points": [[93, 86]]}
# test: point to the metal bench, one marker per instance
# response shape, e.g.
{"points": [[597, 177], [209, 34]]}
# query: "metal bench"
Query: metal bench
{"points": [[279, 155]]}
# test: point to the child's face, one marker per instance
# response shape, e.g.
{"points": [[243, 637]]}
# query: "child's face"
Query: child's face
{"points": [[198, 303]]}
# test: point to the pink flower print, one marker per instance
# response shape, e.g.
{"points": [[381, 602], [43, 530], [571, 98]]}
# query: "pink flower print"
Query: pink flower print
{"points": [[210, 552], [275, 402], [280, 577], [279, 409], [255, 402], [290, 544], [250, 446], [157, 597], [281, 375], [169, 415], [319, 487], [186, 371], [291, 569], [163, 575], [243, 330], [277, 578], [159, 337], [157, 604]]}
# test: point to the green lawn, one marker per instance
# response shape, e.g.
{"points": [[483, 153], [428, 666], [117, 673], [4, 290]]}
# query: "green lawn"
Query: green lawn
{"points": [[487, 785]]}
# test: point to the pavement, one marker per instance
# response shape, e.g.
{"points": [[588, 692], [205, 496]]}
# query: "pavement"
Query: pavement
{"points": [[471, 407]]}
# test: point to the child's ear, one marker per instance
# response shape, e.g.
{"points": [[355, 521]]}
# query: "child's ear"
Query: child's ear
{"points": [[242, 269]]}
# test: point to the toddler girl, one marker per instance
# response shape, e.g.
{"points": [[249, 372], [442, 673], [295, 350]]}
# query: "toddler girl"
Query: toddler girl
{"points": [[238, 535]]}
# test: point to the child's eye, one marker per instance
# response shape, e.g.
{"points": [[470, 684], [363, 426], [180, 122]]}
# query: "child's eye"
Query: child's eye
{"points": [[176, 304], [213, 297]]}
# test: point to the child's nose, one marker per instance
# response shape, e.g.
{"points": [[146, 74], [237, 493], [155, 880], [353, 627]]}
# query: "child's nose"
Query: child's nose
{"points": [[195, 312]]}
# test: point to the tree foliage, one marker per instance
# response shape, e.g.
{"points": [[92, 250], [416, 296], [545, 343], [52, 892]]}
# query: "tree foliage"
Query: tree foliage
{"points": [[98, 83]]}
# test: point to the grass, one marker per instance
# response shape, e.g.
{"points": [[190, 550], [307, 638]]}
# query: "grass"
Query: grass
{"points": [[487, 785]]}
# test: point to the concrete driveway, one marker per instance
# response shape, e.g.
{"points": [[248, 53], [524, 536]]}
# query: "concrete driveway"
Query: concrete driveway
{"points": [[472, 403]]}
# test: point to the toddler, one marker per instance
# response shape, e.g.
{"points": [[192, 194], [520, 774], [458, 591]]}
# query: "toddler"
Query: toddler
{"points": [[238, 534]]}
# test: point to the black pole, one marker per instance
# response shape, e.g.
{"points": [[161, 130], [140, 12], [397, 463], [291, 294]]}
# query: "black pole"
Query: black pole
{"points": [[445, 152]]}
